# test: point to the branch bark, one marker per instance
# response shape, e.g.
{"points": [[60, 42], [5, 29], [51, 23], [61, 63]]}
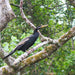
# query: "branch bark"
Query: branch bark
{"points": [[47, 51], [6, 13], [6, 70], [42, 54], [23, 56]]}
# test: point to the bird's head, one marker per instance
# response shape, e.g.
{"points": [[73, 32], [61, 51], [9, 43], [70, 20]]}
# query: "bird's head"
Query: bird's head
{"points": [[39, 27], [42, 26]]}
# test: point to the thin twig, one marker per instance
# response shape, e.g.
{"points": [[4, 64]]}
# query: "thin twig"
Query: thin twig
{"points": [[14, 5]]}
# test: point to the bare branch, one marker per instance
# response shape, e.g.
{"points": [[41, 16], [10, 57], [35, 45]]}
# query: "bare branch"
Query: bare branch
{"points": [[47, 51], [23, 56], [42, 54], [14, 5], [23, 15], [31, 24], [6, 13], [6, 70]]}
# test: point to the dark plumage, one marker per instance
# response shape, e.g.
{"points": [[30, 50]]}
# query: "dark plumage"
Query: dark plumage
{"points": [[27, 42]]}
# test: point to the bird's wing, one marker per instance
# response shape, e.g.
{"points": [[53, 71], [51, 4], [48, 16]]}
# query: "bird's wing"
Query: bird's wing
{"points": [[22, 43]]}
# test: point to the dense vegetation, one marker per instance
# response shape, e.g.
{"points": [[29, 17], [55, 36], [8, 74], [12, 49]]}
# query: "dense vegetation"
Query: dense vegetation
{"points": [[60, 17]]}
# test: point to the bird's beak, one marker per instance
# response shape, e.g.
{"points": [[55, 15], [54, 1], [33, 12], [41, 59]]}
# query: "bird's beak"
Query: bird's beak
{"points": [[43, 26]]}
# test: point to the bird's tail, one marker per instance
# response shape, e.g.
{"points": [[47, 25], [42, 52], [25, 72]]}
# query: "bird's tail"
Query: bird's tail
{"points": [[9, 54]]}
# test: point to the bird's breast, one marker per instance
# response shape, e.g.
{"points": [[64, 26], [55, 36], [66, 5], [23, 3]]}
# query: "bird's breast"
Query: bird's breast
{"points": [[29, 42]]}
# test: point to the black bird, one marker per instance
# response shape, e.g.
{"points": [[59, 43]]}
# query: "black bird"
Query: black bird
{"points": [[27, 42]]}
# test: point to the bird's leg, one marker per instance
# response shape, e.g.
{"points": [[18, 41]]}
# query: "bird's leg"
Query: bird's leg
{"points": [[30, 51]]}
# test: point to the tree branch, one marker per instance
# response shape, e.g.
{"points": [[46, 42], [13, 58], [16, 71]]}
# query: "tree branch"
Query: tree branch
{"points": [[47, 51], [6, 14], [6, 70], [14, 5], [32, 25], [42, 54], [23, 56]]}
